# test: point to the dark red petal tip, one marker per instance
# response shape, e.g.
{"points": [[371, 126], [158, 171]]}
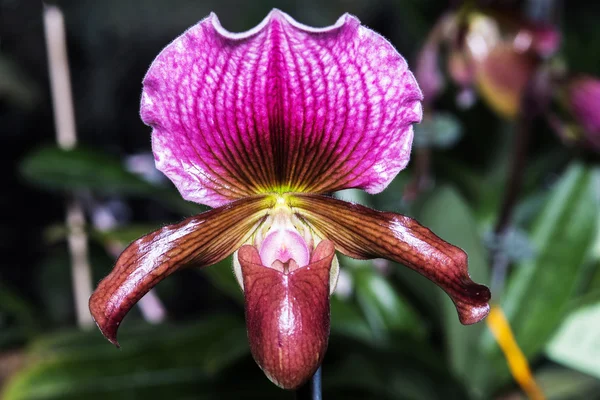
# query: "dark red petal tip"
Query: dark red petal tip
{"points": [[474, 305]]}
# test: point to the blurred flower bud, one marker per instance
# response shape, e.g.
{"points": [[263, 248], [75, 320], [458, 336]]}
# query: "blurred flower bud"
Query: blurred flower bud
{"points": [[460, 68], [501, 79], [499, 53], [545, 39], [482, 35], [581, 96], [427, 70], [428, 74]]}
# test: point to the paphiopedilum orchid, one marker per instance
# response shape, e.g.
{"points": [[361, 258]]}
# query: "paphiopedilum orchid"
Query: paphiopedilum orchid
{"points": [[262, 126]]}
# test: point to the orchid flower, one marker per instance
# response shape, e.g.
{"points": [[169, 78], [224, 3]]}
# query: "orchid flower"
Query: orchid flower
{"points": [[263, 126]]}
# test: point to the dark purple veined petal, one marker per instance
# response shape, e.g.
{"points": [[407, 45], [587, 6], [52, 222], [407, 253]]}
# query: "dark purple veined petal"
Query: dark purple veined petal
{"points": [[200, 241], [287, 314], [282, 107], [361, 232]]}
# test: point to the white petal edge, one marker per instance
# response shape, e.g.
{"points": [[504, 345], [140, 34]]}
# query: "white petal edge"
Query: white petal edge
{"points": [[275, 14]]}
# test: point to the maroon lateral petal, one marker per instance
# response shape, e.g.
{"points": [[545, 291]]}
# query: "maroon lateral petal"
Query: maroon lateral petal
{"points": [[364, 233], [287, 315], [201, 240]]}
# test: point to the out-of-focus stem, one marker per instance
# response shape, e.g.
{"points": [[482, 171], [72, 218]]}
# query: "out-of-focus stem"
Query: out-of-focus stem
{"points": [[80, 266], [530, 109], [517, 167], [422, 176], [60, 81], [500, 260], [66, 137], [533, 103], [311, 389]]}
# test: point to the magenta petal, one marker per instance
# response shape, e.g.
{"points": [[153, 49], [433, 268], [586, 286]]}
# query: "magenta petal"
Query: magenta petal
{"points": [[282, 107]]}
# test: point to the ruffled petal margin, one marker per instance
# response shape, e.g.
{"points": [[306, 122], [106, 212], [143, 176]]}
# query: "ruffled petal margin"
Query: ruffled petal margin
{"points": [[363, 233], [200, 241], [283, 107]]}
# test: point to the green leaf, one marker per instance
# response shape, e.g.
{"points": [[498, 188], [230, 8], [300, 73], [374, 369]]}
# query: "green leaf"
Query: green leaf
{"points": [[539, 290], [346, 319], [124, 234], [470, 181], [81, 168], [53, 283], [155, 361], [221, 275], [563, 234], [447, 214], [16, 86], [441, 130], [382, 305], [410, 369], [173, 201], [17, 318], [589, 285], [565, 384], [575, 344]]}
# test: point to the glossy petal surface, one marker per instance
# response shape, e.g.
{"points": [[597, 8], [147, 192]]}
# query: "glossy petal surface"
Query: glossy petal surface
{"points": [[282, 107], [361, 232], [287, 314], [201, 241]]}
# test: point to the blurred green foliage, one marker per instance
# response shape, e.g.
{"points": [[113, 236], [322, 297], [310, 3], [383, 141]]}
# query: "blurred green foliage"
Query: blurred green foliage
{"points": [[378, 317]]}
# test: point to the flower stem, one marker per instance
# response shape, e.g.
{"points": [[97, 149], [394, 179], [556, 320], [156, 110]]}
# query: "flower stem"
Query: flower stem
{"points": [[311, 389], [515, 180], [81, 271], [422, 174], [66, 138], [533, 101], [500, 261]]}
